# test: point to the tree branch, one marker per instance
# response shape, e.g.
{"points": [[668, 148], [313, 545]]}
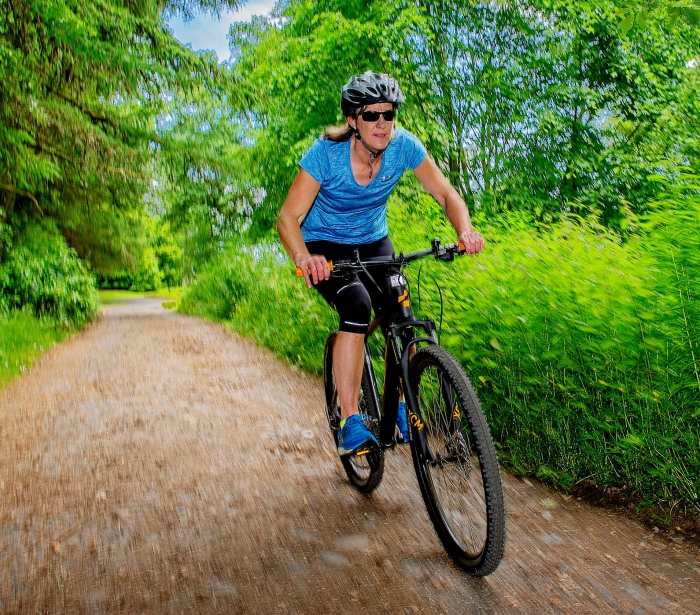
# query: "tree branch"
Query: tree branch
{"points": [[22, 193]]}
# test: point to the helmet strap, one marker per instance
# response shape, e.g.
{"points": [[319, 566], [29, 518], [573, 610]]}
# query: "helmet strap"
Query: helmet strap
{"points": [[372, 154]]}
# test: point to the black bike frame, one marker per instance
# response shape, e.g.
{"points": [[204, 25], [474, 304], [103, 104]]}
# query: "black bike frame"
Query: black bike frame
{"points": [[398, 324]]}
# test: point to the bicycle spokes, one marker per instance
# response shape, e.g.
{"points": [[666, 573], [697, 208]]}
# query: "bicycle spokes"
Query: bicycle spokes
{"points": [[459, 488]]}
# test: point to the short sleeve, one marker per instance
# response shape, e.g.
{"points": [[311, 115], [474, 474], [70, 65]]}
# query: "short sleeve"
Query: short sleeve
{"points": [[414, 151], [315, 161]]}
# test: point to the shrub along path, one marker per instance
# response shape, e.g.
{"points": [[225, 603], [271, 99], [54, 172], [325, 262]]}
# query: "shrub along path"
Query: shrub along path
{"points": [[155, 463]]}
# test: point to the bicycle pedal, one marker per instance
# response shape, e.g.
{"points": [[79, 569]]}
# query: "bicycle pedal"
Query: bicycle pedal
{"points": [[364, 449]]}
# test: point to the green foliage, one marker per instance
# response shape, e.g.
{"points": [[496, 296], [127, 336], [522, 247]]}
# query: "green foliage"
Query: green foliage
{"points": [[148, 276], [254, 290], [638, 12], [544, 107], [159, 261], [5, 236], [23, 338], [169, 255], [87, 92], [584, 349], [44, 277]]}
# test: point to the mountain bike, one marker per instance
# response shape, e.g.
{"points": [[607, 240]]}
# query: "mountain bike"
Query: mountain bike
{"points": [[451, 445]]}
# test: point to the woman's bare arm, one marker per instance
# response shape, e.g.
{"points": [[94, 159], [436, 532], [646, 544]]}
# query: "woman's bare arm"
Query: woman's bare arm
{"points": [[296, 206], [433, 180]]}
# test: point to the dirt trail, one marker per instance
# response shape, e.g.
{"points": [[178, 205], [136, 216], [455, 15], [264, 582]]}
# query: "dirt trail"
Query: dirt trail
{"points": [[157, 464]]}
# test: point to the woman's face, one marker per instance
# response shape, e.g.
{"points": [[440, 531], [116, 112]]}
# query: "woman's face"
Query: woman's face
{"points": [[377, 134]]}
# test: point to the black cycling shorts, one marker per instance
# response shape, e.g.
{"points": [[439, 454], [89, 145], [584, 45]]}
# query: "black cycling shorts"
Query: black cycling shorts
{"points": [[353, 299]]}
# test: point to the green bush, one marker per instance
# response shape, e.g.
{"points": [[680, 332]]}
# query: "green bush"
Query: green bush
{"points": [[147, 275], [42, 276], [5, 236], [169, 255], [583, 349], [159, 264], [256, 293], [121, 279]]}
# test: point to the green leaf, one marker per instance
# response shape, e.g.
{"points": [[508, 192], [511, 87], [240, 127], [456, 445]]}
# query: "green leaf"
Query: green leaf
{"points": [[692, 15], [627, 23], [641, 19], [633, 440]]}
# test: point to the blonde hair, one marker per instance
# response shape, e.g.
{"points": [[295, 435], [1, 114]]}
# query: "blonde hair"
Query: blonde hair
{"points": [[338, 134]]}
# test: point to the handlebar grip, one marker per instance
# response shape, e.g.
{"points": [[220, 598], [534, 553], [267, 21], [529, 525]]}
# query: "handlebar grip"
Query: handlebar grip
{"points": [[299, 273], [462, 247]]}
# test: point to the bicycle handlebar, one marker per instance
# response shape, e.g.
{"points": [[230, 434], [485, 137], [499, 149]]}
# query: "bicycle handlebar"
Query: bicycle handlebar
{"points": [[443, 253]]}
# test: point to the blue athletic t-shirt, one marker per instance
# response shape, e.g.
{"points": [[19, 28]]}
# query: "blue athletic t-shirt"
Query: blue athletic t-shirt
{"points": [[344, 211]]}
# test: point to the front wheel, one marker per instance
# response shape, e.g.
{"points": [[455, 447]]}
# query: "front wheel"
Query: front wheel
{"points": [[364, 471], [461, 483]]}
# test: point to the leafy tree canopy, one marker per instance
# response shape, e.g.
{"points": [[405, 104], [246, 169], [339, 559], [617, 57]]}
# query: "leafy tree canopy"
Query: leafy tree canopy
{"points": [[545, 105], [83, 86]]}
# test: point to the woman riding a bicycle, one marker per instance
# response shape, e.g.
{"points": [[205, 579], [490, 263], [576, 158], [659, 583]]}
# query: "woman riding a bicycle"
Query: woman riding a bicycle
{"points": [[337, 204]]}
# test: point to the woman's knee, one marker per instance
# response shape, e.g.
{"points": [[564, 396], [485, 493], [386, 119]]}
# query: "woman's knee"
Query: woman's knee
{"points": [[354, 308]]}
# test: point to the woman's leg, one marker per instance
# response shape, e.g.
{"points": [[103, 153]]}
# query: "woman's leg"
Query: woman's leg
{"points": [[351, 299], [354, 310], [348, 360]]}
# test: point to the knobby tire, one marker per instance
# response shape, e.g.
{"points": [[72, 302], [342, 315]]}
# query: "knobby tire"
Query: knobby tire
{"points": [[462, 490]]}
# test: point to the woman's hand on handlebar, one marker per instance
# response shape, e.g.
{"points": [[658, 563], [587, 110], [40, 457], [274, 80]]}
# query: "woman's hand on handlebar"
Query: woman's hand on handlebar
{"points": [[472, 241], [314, 268]]}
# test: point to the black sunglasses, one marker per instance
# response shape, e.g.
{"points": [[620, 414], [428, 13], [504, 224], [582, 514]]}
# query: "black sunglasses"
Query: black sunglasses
{"points": [[373, 116]]}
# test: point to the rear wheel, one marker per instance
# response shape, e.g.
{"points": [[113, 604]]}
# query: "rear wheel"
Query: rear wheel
{"points": [[462, 486], [364, 471]]}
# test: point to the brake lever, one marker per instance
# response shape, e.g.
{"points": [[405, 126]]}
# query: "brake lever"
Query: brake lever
{"points": [[447, 253]]}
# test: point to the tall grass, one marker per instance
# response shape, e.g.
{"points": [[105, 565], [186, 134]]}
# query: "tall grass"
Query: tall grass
{"points": [[583, 349], [22, 340]]}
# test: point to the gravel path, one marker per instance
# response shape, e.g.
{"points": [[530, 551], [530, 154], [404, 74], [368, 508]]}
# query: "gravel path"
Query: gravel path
{"points": [[156, 463]]}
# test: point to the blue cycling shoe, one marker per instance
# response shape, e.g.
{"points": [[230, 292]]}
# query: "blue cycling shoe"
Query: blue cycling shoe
{"points": [[402, 422], [354, 436]]}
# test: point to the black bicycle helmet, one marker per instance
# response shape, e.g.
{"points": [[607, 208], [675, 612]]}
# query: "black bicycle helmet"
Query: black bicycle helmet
{"points": [[367, 89]]}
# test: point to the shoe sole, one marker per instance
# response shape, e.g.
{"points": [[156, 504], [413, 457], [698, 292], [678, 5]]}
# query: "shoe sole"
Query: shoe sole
{"points": [[363, 449]]}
